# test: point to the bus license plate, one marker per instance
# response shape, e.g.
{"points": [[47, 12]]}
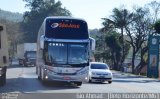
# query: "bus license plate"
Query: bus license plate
{"points": [[101, 76], [66, 77]]}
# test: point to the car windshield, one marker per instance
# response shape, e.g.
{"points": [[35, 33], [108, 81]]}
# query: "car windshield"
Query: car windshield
{"points": [[31, 54], [99, 66]]}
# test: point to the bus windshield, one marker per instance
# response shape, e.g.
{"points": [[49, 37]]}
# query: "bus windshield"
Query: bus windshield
{"points": [[62, 53], [57, 53], [77, 53]]}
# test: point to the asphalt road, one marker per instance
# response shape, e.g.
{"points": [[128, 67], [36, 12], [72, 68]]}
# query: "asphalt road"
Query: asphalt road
{"points": [[24, 80]]}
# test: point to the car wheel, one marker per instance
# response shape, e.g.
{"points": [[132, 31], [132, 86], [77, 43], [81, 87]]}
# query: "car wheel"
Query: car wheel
{"points": [[109, 82]]}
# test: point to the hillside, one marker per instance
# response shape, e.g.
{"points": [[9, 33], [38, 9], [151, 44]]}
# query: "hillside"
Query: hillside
{"points": [[15, 17]]}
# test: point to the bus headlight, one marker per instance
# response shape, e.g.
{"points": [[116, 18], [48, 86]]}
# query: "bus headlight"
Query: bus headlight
{"points": [[83, 71], [46, 77]]}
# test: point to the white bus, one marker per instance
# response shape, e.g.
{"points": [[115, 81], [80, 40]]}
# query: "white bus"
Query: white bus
{"points": [[63, 50]]}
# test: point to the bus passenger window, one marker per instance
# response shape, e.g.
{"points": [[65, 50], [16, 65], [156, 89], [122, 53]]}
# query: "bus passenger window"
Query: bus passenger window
{"points": [[0, 40], [4, 59], [1, 28]]}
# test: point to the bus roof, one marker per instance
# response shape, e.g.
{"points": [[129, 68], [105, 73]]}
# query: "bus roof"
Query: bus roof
{"points": [[64, 17]]}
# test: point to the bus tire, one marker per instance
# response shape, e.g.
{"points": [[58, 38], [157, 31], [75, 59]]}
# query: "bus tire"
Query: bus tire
{"points": [[39, 74], [3, 79], [78, 83], [109, 82], [39, 78], [90, 81]]}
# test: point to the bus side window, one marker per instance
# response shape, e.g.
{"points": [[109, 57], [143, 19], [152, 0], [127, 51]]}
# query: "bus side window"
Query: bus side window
{"points": [[4, 59], [0, 40], [1, 28], [46, 57]]}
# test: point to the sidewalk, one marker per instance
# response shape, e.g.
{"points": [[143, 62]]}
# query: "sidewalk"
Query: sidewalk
{"points": [[120, 73]]}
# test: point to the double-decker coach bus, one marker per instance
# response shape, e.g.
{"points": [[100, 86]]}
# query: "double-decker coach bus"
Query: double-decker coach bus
{"points": [[63, 50]]}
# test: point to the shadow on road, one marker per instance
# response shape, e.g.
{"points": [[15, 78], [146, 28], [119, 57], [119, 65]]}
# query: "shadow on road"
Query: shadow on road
{"points": [[101, 83], [14, 66], [24, 85], [123, 78], [19, 66], [134, 81]]}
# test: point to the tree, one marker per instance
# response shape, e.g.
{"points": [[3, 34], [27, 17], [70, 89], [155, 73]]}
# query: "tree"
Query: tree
{"points": [[119, 19], [114, 43], [157, 26], [138, 32], [154, 7], [137, 25], [39, 10], [153, 10], [100, 47]]}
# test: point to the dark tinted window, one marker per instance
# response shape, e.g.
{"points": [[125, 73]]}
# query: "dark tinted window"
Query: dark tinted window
{"points": [[99, 66], [1, 28], [66, 29], [56, 53], [78, 53], [31, 55], [0, 39]]}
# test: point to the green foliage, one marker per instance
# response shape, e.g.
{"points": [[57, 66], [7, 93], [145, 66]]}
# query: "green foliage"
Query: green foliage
{"points": [[109, 48], [40, 9], [157, 26], [114, 42], [104, 55], [119, 19], [136, 25]]}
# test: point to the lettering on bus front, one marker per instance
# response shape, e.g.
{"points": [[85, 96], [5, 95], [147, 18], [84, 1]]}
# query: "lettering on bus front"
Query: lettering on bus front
{"points": [[65, 25]]}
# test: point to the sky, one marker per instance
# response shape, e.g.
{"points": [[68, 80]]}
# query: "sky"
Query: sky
{"points": [[90, 10]]}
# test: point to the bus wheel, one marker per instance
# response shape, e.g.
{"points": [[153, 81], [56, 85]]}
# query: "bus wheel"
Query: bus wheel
{"points": [[90, 81], [39, 78], [3, 79], [109, 82], [39, 75], [78, 83]]}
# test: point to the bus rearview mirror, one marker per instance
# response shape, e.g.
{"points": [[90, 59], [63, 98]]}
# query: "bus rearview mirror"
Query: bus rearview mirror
{"points": [[42, 42], [92, 43]]}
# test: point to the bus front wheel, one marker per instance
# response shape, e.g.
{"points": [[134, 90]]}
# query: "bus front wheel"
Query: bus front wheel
{"points": [[3, 79], [78, 83]]}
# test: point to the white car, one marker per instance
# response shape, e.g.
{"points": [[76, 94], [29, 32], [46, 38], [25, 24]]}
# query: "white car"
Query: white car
{"points": [[99, 72]]}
